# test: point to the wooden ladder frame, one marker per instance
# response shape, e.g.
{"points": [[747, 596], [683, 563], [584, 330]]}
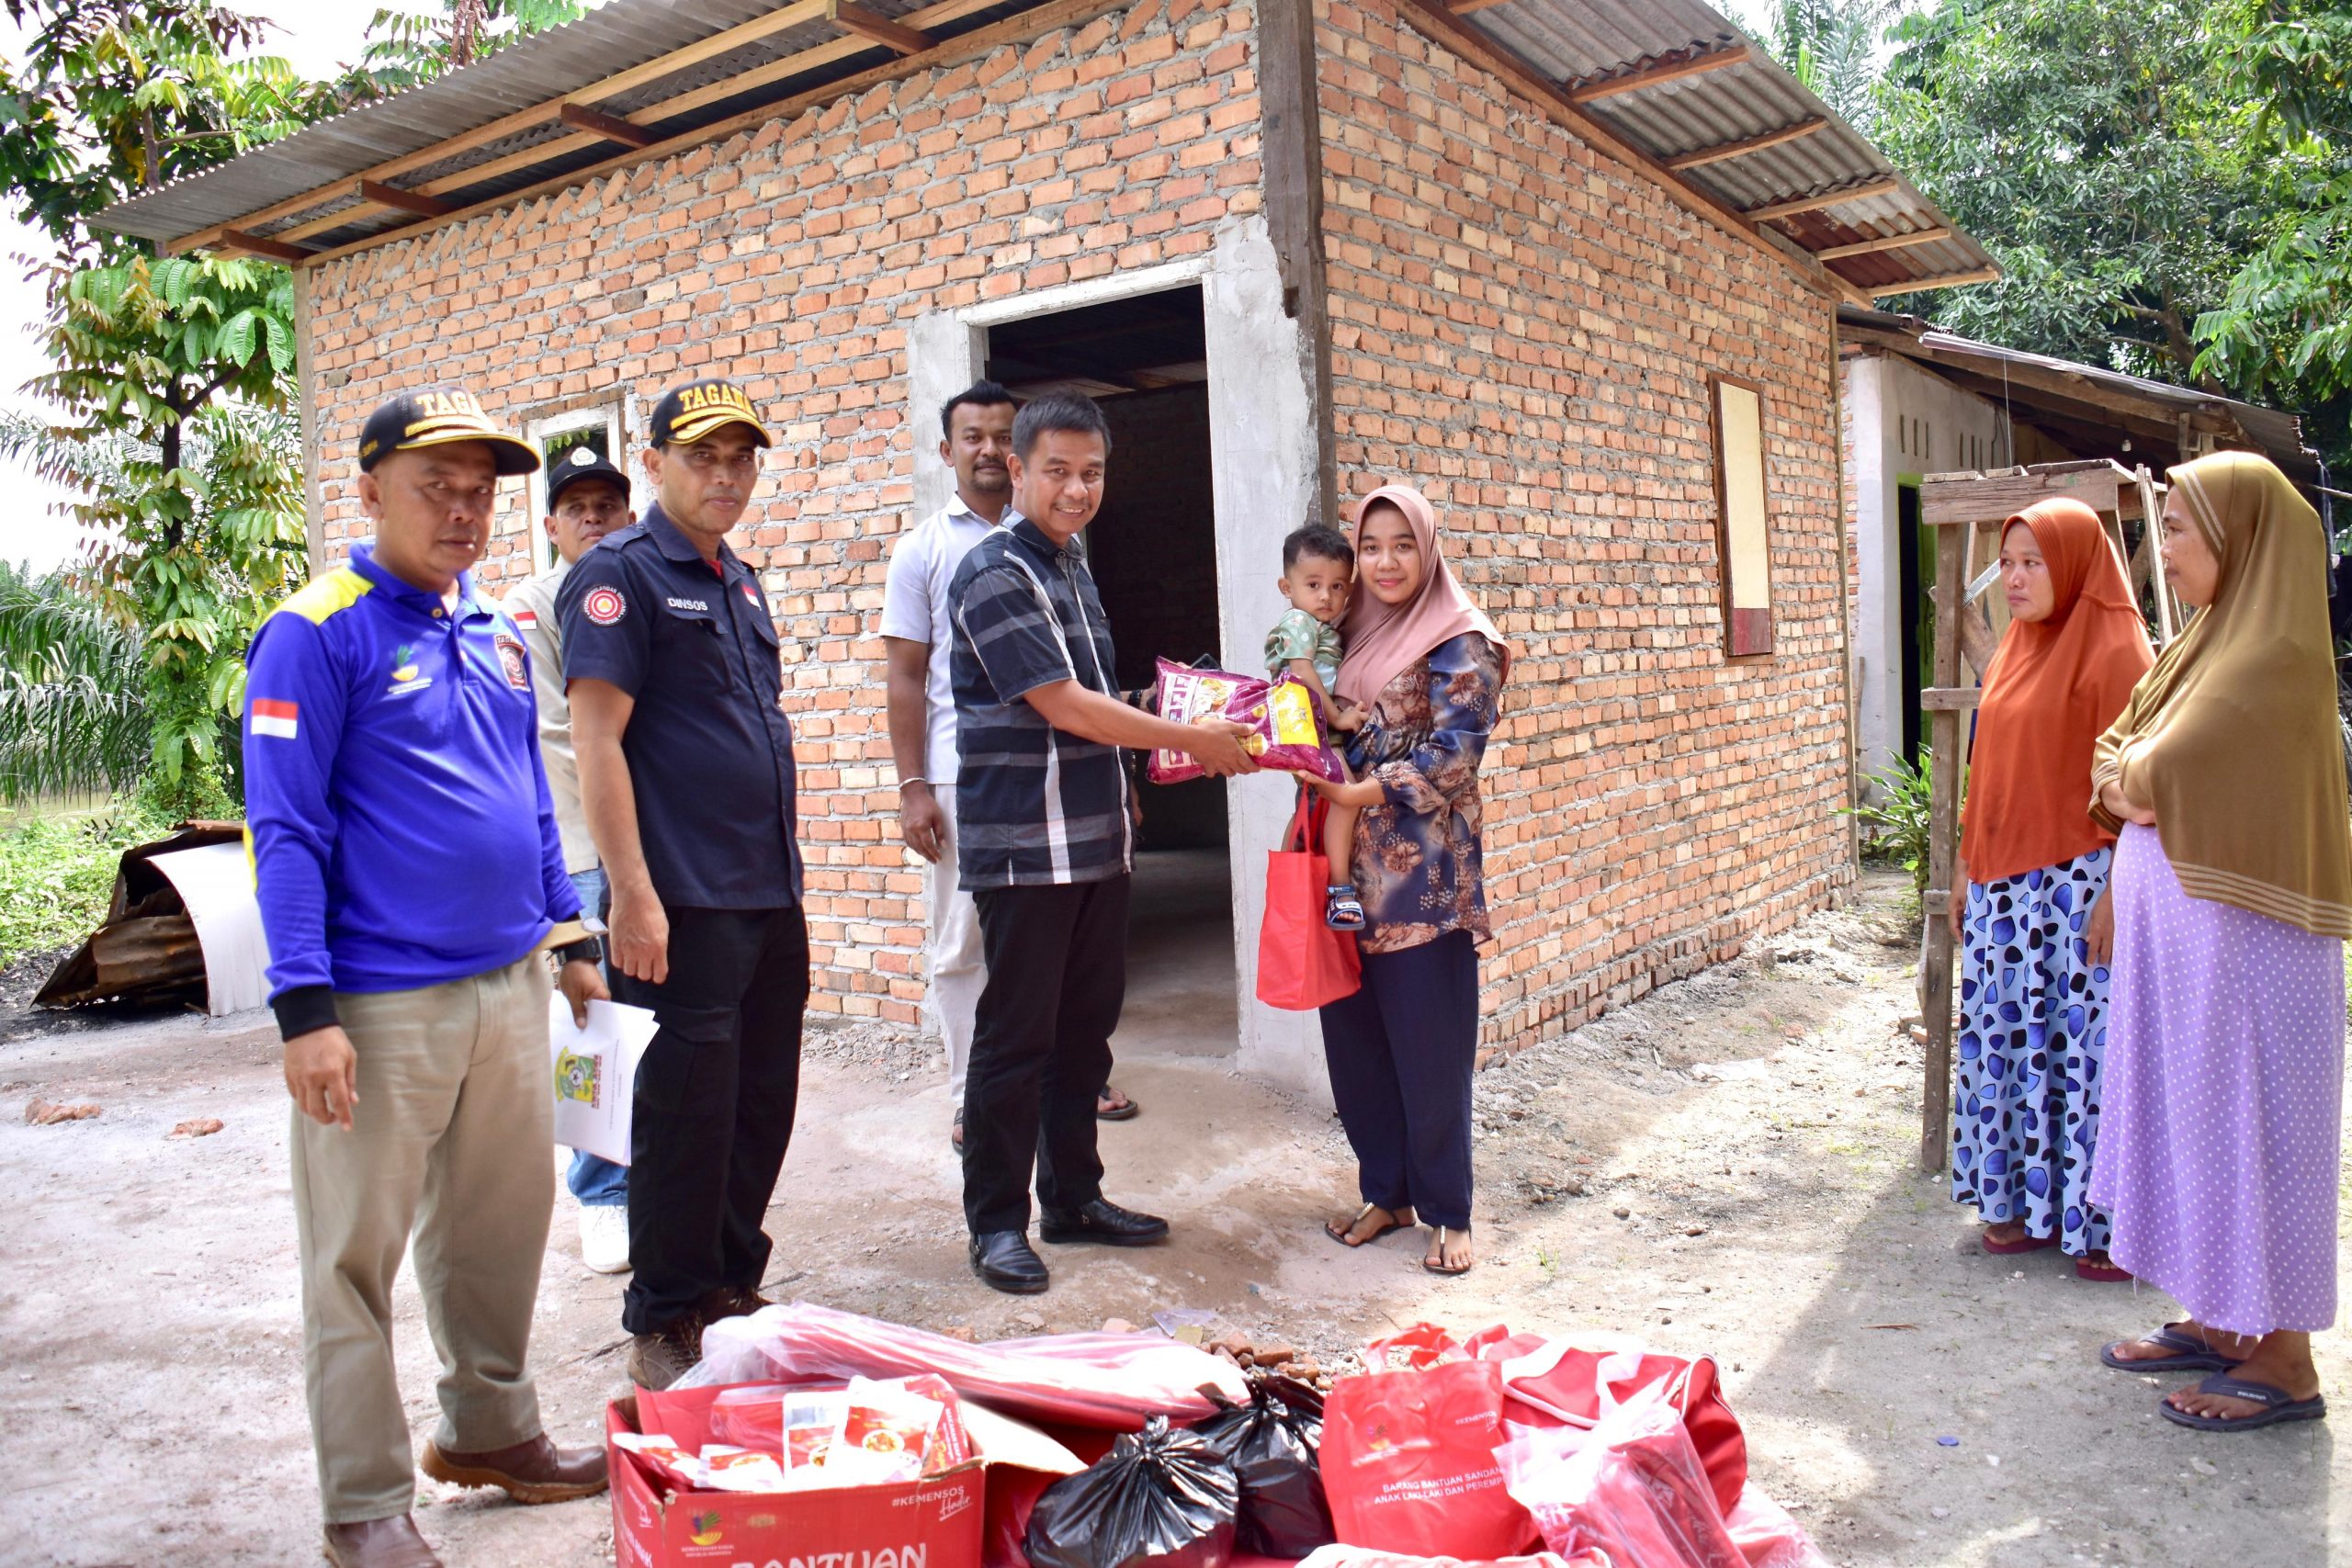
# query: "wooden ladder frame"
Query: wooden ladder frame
{"points": [[1963, 508]]}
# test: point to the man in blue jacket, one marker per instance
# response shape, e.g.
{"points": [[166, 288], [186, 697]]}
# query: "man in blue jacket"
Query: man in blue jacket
{"points": [[410, 874]]}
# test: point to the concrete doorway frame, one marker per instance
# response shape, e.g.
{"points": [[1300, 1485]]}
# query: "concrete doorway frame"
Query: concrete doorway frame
{"points": [[1263, 480]]}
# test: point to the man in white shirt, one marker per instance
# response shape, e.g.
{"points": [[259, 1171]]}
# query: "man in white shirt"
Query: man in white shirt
{"points": [[976, 426], [587, 499]]}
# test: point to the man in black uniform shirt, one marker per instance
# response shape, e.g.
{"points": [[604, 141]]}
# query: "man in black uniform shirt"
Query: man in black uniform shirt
{"points": [[687, 779]]}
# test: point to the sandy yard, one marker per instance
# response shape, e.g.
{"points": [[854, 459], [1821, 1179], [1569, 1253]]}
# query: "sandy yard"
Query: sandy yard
{"points": [[1727, 1165]]}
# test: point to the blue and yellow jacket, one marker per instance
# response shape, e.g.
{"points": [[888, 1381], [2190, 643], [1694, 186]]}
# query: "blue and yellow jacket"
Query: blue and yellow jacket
{"points": [[397, 813]]}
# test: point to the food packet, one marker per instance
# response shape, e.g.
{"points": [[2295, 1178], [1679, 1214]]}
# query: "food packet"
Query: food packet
{"points": [[811, 1419], [729, 1469], [889, 1431], [681, 1470], [1280, 713]]}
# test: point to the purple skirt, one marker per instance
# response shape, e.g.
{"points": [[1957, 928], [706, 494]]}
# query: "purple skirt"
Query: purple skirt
{"points": [[2218, 1144]]}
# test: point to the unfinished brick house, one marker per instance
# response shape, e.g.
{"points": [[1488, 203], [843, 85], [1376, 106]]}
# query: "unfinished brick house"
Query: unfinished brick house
{"points": [[1571, 266]]}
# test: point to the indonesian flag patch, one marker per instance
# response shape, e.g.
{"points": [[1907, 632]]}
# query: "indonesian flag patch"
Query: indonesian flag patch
{"points": [[274, 717], [527, 618]]}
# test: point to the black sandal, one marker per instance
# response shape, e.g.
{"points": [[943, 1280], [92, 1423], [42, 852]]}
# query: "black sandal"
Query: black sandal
{"points": [[1340, 1235], [955, 1132], [1439, 1269]]}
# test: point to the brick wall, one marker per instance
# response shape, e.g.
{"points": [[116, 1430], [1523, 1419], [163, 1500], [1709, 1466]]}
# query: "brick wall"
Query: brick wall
{"points": [[1524, 329], [792, 258]]}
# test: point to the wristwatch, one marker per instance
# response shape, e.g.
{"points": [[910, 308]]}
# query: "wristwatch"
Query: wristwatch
{"points": [[585, 951]]}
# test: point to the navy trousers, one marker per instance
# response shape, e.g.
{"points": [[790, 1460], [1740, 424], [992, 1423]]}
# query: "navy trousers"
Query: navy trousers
{"points": [[1401, 1051]]}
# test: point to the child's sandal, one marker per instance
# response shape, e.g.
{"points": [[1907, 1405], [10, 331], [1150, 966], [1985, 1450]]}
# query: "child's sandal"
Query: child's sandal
{"points": [[1343, 911]]}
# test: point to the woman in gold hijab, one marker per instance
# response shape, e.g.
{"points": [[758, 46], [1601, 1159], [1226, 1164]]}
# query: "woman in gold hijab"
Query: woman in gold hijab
{"points": [[2232, 887]]}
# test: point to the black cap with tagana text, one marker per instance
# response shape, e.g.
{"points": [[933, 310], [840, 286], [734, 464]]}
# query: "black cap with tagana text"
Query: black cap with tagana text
{"points": [[580, 463], [692, 411], [440, 416]]}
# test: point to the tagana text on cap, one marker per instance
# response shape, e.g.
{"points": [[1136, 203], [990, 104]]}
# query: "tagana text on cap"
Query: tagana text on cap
{"points": [[581, 464], [440, 416], [688, 413]]}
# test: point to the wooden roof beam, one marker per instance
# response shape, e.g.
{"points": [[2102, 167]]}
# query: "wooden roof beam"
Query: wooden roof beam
{"points": [[1746, 145], [236, 242], [653, 70], [611, 127], [1814, 203], [1884, 242], [1919, 285], [874, 28], [1654, 75], [377, 194]]}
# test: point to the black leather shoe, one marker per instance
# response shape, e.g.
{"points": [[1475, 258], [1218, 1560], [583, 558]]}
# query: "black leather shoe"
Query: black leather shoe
{"points": [[1004, 1261], [1102, 1222]]}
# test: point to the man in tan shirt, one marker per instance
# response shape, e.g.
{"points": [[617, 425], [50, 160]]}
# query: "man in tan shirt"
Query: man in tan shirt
{"points": [[587, 499]]}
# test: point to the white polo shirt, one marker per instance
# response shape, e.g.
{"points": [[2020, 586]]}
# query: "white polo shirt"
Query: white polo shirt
{"points": [[914, 607]]}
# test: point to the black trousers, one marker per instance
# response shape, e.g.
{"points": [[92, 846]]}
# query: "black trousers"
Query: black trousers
{"points": [[1401, 1052], [715, 1098], [1041, 1047]]}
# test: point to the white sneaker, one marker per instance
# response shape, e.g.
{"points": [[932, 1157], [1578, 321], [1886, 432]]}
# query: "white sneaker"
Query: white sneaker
{"points": [[603, 1237]]}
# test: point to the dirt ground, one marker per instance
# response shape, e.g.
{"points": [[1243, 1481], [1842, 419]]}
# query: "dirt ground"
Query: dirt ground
{"points": [[1727, 1165]]}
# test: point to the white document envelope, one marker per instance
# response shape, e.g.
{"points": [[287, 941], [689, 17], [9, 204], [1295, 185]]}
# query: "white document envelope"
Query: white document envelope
{"points": [[596, 1074]]}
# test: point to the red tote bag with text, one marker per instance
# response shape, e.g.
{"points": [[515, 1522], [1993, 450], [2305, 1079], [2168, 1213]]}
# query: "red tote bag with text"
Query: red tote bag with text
{"points": [[1302, 963]]}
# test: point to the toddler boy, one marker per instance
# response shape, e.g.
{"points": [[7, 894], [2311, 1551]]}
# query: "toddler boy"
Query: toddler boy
{"points": [[1318, 569]]}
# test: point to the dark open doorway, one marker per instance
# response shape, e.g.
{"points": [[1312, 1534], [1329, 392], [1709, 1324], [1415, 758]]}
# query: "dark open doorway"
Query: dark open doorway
{"points": [[1153, 553]]}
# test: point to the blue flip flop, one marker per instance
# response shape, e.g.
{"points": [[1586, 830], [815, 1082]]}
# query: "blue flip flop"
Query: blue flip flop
{"points": [[2192, 1354], [2277, 1403]]}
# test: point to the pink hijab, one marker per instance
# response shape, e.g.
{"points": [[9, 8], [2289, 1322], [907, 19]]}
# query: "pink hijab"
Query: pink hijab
{"points": [[1383, 640]]}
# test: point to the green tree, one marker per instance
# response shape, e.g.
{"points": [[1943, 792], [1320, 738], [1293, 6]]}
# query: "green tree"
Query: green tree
{"points": [[172, 379], [113, 98], [1831, 46], [405, 47], [72, 709], [2153, 179]]}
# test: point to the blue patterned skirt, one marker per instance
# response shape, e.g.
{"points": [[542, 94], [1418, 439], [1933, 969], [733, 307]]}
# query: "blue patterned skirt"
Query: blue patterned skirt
{"points": [[2032, 1031]]}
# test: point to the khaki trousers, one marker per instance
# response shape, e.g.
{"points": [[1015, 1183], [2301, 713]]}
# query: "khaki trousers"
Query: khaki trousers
{"points": [[452, 1137]]}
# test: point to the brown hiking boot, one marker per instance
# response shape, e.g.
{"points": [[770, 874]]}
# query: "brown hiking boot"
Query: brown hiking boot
{"points": [[731, 1301], [660, 1358], [532, 1471], [379, 1543]]}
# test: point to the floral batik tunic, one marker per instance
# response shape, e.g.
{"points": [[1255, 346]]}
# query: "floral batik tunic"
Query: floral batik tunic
{"points": [[1416, 855]]}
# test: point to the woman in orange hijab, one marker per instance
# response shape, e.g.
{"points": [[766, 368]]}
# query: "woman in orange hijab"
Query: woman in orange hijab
{"points": [[2038, 930]]}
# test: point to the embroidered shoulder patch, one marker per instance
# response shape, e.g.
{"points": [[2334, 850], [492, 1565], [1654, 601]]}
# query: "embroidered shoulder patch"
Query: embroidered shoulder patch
{"points": [[604, 605]]}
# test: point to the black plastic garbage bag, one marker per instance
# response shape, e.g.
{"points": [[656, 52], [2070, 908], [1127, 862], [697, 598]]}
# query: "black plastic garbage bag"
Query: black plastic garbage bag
{"points": [[1273, 1443], [1160, 1498]]}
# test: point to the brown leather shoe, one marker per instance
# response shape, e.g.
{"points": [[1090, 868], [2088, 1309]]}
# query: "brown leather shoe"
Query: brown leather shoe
{"points": [[379, 1543], [533, 1472], [732, 1301], [660, 1358]]}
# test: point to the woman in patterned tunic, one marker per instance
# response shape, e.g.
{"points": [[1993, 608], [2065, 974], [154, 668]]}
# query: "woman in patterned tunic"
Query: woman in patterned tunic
{"points": [[1429, 666], [2039, 929], [2233, 902]]}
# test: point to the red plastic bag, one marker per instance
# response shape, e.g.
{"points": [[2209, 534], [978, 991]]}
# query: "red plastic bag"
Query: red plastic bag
{"points": [[1408, 1462], [1549, 1381], [1302, 961], [1112, 1381], [1279, 713], [1412, 1349], [1631, 1489]]}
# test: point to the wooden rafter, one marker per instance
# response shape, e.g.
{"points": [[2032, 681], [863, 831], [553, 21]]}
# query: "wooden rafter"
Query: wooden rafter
{"points": [[237, 242], [1820, 199], [606, 127], [537, 115], [1884, 242], [381, 194], [1915, 285], [1463, 7], [1746, 145], [1433, 19], [878, 28], [1014, 29], [1654, 75]]}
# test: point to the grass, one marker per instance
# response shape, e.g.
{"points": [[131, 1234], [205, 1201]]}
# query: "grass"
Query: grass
{"points": [[57, 871]]}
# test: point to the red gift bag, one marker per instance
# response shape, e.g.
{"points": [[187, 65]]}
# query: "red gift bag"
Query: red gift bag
{"points": [[1302, 963], [1549, 1381], [1408, 1462]]}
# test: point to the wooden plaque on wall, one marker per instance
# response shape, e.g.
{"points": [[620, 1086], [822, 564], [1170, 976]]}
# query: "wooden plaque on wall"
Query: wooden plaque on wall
{"points": [[1743, 534]]}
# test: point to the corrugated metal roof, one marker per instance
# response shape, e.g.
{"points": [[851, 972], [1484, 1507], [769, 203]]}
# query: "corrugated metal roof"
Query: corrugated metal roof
{"points": [[1568, 41], [2278, 435], [1575, 42]]}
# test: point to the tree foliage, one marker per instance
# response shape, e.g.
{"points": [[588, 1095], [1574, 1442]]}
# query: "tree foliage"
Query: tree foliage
{"points": [[2165, 184], [1830, 46], [73, 713], [406, 48]]}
